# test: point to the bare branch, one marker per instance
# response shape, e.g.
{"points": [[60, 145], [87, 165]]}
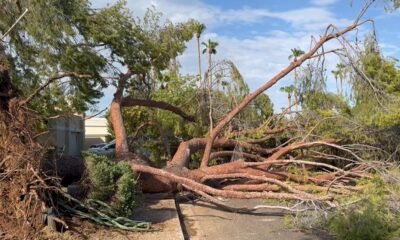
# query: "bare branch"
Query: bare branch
{"points": [[95, 115], [15, 24], [49, 81], [293, 65]]}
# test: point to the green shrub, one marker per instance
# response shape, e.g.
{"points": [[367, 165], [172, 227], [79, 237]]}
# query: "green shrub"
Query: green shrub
{"points": [[374, 217], [113, 183], [371, 214], [366, 224]]}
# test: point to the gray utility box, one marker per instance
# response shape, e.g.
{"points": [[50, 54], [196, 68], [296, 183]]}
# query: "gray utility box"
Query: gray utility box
{"points": [[67, 135]]}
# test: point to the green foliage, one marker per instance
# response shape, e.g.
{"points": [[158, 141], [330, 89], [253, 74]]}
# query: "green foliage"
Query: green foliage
{"points": [[374, 217], [198, 28], [47, 42], [296, 52], [113, 183], [377, 95], [326, 104], [371, 214], [365, 224], [263, 107], [57, 37], [369, 115], [152, 128], [210, 47]]}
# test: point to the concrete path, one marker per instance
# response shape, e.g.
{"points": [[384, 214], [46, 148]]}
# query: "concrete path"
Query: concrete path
{"points": [[203, 221]]}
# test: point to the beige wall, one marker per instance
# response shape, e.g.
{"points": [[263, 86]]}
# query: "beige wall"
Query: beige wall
{"points": [[95, 131]]}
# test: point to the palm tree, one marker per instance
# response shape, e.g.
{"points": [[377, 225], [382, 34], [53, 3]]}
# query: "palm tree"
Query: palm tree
{"points": [[296, 52], [339, 73], [198, 29], [336, 75], [210, 49], [289, 90], [341, 68]]}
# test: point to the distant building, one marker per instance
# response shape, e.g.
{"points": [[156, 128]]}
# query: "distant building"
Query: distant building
{"points": [[96, 131]]}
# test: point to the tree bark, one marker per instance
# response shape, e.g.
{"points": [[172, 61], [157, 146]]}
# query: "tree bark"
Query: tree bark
{"points": [[117, 122], [187, 148], [121, 141]]}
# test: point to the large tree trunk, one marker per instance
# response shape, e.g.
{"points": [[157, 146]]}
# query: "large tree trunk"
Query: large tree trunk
{"points": [[117, 122], [121, 140]]}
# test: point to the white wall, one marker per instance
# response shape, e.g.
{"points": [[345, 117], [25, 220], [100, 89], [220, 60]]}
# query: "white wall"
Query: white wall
{"points": [[95, 131]]}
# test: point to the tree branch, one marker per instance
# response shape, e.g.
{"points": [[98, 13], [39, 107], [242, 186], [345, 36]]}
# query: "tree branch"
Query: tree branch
{"points": [[49, 81], [96, 114], [130, 102], [295, 146], [293, 65], [187, 148], [193, 185]]}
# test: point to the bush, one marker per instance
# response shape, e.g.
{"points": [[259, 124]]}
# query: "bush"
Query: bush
{"points": [[374, 217], [371, 214], [368, 224], [113, 183]]}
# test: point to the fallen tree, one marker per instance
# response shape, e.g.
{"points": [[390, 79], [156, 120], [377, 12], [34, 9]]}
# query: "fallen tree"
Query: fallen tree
{"points": [[273, 169]]}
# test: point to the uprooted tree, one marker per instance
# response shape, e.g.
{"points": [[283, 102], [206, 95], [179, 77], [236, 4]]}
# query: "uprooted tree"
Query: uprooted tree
{"points": [[79, 51]]}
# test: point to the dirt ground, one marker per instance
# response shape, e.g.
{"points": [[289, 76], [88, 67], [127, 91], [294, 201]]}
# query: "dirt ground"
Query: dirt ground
{"points": [[161, 213]]}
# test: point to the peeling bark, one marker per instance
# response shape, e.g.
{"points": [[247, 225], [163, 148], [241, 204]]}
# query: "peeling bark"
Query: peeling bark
{"points": [[187, 148], [121, 140]]}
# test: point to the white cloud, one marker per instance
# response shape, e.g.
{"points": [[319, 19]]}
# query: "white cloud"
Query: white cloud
{"points": [[309, 18], [258, 56]]}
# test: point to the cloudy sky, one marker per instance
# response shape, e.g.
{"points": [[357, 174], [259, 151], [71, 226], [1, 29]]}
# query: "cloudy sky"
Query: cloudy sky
{"points": [[257, 35]]}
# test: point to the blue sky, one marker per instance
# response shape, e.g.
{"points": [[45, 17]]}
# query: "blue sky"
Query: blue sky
{"points": [[258, 35]]}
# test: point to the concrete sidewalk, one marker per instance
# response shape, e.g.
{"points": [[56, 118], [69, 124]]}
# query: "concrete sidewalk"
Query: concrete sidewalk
{"points": [[204, 221]]}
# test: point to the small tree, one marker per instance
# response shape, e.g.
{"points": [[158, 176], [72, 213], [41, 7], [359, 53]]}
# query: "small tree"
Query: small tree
{"points": [[339, 74], [198, 29], [296, 52], [210, 49], [289, 90]]}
